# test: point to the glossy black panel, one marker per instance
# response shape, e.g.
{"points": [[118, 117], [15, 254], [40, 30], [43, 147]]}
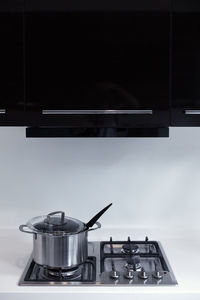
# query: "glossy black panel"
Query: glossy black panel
{"points": [[97, 132], [14, 6], [97, 59], [11, 55], [186, 6], [97, 5], [186, 62]]}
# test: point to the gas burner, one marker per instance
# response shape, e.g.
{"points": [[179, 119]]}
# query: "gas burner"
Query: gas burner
{"points": [[130, 248], [74, 273], [133, 264]]}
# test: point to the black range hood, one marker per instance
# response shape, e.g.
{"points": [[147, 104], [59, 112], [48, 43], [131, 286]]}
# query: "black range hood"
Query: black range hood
{"points": [[48, 132], [97, 123]]}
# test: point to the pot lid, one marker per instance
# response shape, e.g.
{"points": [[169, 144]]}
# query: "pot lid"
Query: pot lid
{"points": [[56, 223]]}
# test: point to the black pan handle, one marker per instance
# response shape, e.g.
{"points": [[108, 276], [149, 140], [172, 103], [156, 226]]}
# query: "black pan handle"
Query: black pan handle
{"points": [[97, 216], [98, 225]]}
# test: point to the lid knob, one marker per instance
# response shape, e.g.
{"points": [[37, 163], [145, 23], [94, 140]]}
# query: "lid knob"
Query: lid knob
{"points": [[50, 219]]}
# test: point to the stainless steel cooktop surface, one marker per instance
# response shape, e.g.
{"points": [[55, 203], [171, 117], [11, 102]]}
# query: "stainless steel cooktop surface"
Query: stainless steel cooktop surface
{"points": [[112, 263]]}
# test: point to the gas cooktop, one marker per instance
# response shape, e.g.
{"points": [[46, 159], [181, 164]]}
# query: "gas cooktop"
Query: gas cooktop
{"points": [[109, 263]]}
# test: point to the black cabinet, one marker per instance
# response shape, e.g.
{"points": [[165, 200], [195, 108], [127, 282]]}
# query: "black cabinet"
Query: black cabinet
{"points": [[105, 62], [100, 64], [186, 63], [11, 59]]}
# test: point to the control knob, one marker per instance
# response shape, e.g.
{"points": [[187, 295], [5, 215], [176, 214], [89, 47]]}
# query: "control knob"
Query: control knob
{"points": [[114, 274], [129, 274], [157, 274], [143, 274]]}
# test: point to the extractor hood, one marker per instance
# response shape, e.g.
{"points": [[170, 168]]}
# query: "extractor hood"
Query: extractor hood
{"points": [[61, 132]]}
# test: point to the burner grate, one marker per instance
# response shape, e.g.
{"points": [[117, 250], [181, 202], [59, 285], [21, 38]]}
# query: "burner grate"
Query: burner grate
{"points": [[152, 251], [87, 273]]}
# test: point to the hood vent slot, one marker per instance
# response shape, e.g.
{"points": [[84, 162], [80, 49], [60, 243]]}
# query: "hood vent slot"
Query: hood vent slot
{"points": [[61, 132]]}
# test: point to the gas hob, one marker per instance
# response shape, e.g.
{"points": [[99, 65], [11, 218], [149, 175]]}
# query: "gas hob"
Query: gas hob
{"points": [[111, 263]]}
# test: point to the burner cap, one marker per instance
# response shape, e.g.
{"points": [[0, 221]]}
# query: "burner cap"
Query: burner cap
{"points": [[130, 248]]}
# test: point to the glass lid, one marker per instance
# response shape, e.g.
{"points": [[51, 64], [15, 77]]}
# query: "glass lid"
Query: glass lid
{"points": [[56, 223]]}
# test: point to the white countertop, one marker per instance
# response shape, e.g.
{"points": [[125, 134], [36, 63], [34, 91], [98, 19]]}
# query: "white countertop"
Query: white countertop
{"points": [[182, 250]]}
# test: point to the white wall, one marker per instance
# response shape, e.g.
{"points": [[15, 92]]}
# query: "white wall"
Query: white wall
{"points": [[151, 182]]}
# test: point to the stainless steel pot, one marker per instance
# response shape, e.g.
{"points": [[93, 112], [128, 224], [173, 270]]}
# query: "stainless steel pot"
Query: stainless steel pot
{"points": [[59, 241]]}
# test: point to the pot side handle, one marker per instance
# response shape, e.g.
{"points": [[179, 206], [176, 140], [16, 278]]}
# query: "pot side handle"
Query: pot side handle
{"points": [[21, 228], [97, 227]]}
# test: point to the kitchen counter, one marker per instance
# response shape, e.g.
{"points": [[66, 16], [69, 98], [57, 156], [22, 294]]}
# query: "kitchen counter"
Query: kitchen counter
{"points": [[182, 248]]}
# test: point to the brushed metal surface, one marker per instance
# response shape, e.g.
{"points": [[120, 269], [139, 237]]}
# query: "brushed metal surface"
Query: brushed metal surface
{"points": [[104, 279], [60, 251]]}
